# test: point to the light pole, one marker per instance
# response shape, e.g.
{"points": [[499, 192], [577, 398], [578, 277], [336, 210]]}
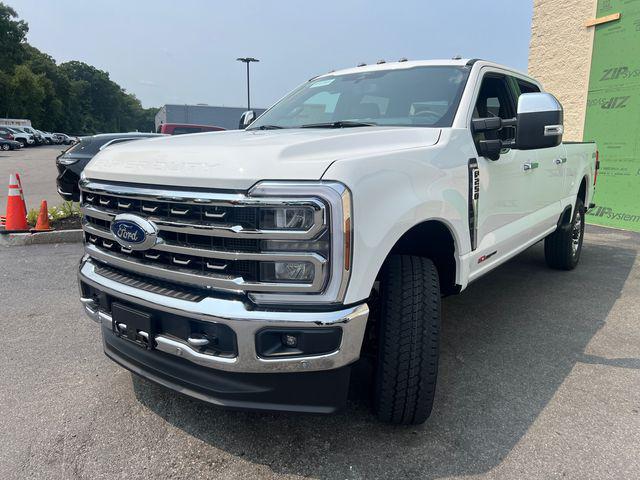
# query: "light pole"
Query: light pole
{"points": [[248, 60]]}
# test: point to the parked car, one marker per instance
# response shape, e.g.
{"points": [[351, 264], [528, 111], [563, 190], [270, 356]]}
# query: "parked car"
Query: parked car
{"points": [[37, 135], [9, 144], [65, 139], [6, 133], [183, 128], [20, 136], [252, 268], [72, 161], [48, 138]]}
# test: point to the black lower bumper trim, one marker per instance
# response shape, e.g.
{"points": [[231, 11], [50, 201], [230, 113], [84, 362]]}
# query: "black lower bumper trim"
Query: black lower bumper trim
{"points": [[312, 392]]}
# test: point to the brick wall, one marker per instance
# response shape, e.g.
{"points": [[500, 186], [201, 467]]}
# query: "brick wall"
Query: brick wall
{"points": [[560, 55]]}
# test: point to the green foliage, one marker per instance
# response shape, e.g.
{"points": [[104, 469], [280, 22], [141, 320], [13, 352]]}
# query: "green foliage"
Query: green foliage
{"points": [[73, 97], [12, 34], [65, 210]]}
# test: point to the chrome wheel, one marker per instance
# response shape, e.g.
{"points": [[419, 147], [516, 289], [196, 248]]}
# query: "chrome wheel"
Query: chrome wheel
{"points": [[576, 233]]}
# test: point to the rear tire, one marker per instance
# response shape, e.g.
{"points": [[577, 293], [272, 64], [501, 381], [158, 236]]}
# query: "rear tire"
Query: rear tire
{"points": [[408, 340], [563, 247]]}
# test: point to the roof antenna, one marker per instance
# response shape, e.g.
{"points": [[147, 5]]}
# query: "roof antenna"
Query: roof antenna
{"points": [[381, 61], [457, 57], [403, 59]]}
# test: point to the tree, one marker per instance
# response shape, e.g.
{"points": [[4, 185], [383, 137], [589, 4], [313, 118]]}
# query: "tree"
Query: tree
{"points": [[73, 97], [27, 94], [12, 34]]}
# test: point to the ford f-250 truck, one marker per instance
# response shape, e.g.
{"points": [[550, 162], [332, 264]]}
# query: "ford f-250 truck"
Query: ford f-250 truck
{"points": [[252, 268]]}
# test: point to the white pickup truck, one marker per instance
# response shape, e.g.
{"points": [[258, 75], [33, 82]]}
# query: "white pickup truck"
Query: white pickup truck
{"points": [[252, 268]]}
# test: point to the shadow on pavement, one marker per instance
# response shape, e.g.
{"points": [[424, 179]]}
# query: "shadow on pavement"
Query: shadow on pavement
{"points": [[508, 343]]}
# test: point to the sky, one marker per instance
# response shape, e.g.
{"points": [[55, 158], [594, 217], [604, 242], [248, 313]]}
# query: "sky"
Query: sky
{"points": [[184, 51]]}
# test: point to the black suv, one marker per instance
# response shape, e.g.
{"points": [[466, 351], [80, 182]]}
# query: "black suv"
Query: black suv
{"points": [[73, 160]]}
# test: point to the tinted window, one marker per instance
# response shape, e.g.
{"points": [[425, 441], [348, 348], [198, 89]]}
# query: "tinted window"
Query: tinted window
{"points": [[494, 100], [183, 130], [419, 96], [526, 87], [83, 147]]}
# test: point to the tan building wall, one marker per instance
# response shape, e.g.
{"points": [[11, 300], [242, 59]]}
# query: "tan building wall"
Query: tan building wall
{"points": [[560, 55]]}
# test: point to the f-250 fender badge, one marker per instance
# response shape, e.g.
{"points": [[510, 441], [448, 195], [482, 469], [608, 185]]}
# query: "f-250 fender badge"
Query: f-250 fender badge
{"points": [[133, 232], [474, 194]]}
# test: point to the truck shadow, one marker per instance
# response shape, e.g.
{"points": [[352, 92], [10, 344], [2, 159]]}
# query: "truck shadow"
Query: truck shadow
{"points": [[508, 343]]}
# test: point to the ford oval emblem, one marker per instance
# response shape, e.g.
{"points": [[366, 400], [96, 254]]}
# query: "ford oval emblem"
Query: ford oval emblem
{"points": [[134, 232]]}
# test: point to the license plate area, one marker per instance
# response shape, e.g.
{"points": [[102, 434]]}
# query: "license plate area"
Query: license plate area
{"points": [[133, 325]]}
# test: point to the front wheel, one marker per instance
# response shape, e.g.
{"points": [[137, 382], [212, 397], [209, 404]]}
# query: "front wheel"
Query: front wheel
{"points": [[563, 247], [6, 146], [408, 340]]}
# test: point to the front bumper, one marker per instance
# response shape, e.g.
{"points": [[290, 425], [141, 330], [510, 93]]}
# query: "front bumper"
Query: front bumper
{"points": [[270, 383]]}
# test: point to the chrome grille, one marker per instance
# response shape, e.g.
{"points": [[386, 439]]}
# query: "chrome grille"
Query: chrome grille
{"points": [[191, 213], [207, 240]]}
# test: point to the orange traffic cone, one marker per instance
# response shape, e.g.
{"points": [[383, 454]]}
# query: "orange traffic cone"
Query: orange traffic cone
{"points": [[42, 225], [16, 220], [21, 193]]}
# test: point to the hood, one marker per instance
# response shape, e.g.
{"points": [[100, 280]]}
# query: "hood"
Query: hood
{"points": [[236, 160]]}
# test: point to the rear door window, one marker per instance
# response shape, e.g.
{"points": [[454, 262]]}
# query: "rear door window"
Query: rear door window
{"points": [[526, 87]]}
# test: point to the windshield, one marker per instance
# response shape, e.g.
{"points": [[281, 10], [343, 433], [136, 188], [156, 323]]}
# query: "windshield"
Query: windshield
{"points": [[86, 147], [419, 96]]}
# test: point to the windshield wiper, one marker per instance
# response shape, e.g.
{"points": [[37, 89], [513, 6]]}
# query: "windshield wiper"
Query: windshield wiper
{"points": [[339, 124], [266, 127]]}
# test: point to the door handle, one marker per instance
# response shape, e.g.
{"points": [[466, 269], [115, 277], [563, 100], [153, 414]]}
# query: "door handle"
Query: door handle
{"points": [[529, 166], [560, 161]]}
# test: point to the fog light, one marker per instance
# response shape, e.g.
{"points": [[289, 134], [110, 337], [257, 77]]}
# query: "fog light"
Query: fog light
{"points": [[301, 342], [289, 340]]}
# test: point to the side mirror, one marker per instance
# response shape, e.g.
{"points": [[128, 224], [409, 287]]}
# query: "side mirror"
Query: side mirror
{"points": [[491, 148], [246, 119], [540, 121]]}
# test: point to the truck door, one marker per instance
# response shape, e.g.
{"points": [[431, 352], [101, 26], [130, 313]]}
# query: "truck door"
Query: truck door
{"points": [[505, 203], [548, 174]]}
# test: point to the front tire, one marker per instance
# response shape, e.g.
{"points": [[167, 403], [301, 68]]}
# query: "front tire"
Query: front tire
{"points": [[6, 146], [563, 247], [408, 340]]}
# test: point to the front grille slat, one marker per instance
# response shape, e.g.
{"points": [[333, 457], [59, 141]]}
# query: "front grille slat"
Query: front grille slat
{"points": [[150, 285], [225, 230], [174, 248], [190, 277]]}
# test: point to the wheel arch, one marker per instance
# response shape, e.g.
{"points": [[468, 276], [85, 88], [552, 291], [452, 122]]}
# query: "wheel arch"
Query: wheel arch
{"points": [[582, 190], [433, 239]]}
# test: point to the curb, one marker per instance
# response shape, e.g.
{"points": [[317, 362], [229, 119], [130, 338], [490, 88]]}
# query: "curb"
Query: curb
{"points": [[21, 239]]}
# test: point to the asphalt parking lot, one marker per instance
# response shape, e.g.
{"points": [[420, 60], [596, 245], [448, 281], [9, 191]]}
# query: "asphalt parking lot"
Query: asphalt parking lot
{"points": [[540, 378], [37, 169]]}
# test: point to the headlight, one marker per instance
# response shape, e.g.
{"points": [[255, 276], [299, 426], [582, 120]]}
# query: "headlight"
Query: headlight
{"points": [[67, 161], [313, 240], [286, 272], [286, 218]]}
